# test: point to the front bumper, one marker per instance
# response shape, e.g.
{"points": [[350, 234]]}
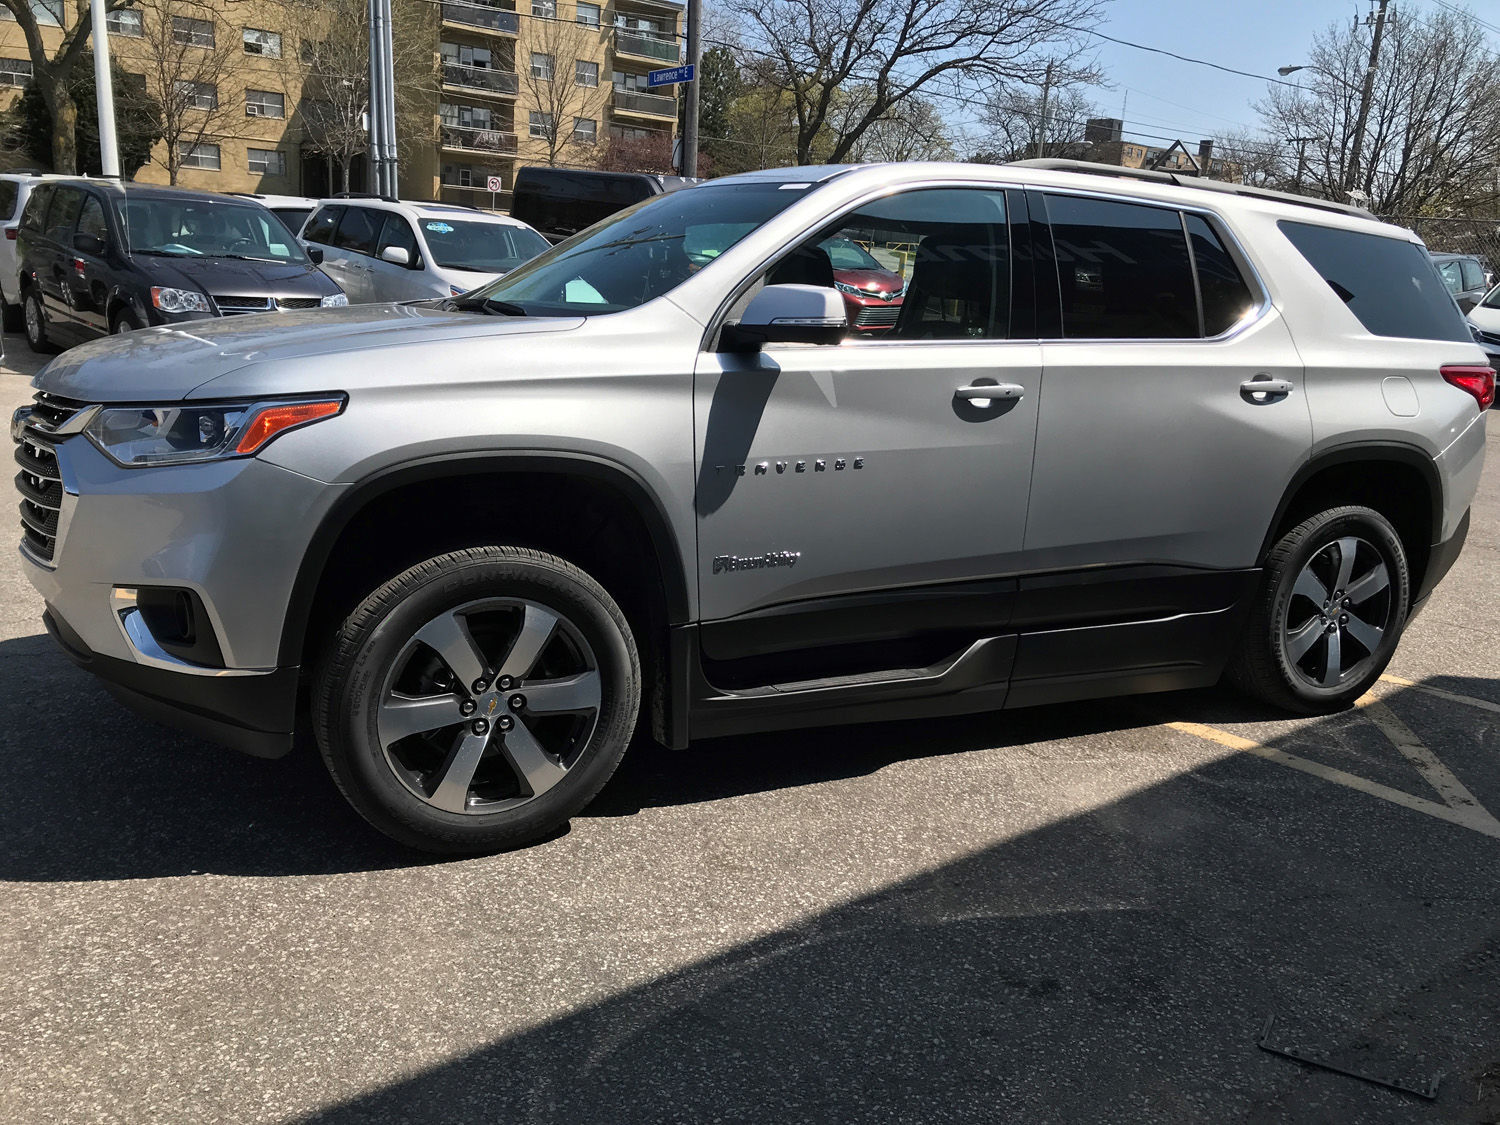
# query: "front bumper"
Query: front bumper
{"points": [[255, 713]]}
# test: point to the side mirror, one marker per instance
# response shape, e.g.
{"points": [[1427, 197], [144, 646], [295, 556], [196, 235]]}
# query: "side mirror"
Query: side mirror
{"points": [[787, 314], [89, 244], [314, 255], [396, 255]]}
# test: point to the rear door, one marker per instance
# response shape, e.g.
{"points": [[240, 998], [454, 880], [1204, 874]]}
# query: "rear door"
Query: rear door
{"points": [[392, 282], [54, 260], [1154, 449], [90, 275]]}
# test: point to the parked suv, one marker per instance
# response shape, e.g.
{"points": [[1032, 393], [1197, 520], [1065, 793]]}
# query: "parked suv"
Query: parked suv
{"points": [[383, 250], [563, 201], [1464, 276], [1127, 435], [15, 190], [98, 257]]}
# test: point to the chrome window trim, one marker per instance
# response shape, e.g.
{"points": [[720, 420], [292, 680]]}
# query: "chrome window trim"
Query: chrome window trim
{"points": [[1214, 219]]}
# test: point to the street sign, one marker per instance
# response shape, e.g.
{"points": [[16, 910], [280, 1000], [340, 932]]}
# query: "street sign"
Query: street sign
{"points": [[494, 183], [671, 76]]}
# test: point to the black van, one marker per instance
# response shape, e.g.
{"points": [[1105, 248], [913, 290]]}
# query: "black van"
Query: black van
{"points": [[562, 201], [97, 257]]}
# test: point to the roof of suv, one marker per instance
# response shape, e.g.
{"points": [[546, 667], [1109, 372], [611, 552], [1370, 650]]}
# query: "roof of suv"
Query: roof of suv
{"points": [[418, 210], [149, 191]]}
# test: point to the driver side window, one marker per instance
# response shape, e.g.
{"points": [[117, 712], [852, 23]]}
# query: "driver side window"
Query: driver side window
{"points": [[933, 264]]}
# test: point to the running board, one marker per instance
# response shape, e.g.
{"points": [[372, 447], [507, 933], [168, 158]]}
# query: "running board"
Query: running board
{"points": [[974, 680]]}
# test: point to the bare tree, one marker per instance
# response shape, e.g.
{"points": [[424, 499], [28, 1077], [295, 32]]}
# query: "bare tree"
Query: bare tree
{"points": [[336, 96], [1255, 159], [186, 78], [912, 130], [51, 74], [1014, 120], [1431, 124], [900, 48], [559, 88]]}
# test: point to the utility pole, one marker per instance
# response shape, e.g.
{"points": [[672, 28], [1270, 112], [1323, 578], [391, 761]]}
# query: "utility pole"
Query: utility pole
{"points": [[690, 114], [1301, 143], [1041, 136], [1351, 174], [382, 100], [109, 152]]}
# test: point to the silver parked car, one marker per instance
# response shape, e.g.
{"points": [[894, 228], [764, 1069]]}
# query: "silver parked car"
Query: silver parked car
{"points": [[1127, 434], [383, 250]]}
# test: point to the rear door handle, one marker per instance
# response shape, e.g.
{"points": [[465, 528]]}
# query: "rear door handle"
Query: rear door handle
{"points": [[1263, 388], [983, 393]]}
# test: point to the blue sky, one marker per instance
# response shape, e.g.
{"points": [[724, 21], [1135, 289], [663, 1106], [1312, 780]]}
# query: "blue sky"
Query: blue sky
{"points": [[1165, 98]]}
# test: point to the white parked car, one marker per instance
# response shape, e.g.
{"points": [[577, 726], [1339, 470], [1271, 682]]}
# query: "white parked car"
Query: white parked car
{"points": [[382, 250], [15, 190], [292, 210], [1484, 325]]}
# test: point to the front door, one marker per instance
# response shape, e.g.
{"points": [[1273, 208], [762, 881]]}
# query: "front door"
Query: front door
{"points": [[89, 273], [826, 472]]}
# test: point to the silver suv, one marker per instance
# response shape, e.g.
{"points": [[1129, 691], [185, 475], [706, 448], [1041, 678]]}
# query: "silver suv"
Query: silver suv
{"points": [[1126, 434]]}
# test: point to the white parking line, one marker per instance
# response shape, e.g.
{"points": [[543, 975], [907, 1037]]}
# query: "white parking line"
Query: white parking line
{"points": [[1452, 697], [1459, 806]]}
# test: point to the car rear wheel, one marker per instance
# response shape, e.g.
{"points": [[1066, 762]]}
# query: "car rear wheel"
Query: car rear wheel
{"points": [[478, 700], [36, 324], [1333, 601]]}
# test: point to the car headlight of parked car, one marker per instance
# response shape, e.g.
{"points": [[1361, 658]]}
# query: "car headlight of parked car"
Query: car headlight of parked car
{"points": [[334, 301], [184, 433], [179, 300]]}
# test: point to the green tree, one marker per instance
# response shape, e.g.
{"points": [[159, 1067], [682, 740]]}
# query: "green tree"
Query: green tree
{"points": [[138, 120], [719, 85]]}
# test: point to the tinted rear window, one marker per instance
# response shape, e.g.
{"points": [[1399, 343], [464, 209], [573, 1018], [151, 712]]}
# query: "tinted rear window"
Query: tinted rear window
{"points": [[1390, 284], [9, 189], [1226, 297]]}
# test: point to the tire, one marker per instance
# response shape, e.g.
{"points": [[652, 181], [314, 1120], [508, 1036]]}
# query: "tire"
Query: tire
{"points": [[11, 317], [1325, 623], [125, 321], [36, 324], [465, 645]]}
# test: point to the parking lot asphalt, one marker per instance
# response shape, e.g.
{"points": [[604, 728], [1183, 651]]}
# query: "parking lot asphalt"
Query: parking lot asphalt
{"points": [[1080, 913]]}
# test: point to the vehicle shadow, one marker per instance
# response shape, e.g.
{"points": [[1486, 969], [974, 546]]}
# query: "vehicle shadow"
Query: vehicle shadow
{"points": [[1116, 964]]}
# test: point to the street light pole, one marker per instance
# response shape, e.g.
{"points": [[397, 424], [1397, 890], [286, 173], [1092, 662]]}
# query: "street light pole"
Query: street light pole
{"points": [[1041, 137], [1351, 174], [109, 152], [690, 110]]}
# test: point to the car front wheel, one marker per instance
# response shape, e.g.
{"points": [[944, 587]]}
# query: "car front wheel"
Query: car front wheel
{"points": [[478, 700], [1331, 606]]}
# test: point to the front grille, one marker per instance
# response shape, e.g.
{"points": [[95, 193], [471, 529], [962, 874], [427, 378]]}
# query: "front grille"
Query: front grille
{"points": [[40, 480], [298, 302], [1490, 337], [230, 304], [879, 316]]}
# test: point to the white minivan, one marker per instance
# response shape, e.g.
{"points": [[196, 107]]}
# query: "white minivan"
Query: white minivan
{"points": [[383, 250]]}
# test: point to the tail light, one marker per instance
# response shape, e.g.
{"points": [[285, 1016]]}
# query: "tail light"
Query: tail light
{"points": [[10, 234], [1478, 381]]}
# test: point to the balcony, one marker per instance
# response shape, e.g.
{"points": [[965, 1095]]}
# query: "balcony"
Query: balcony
{"points": [[501, 20], [651, 105], [470, 139], [645, 45], [499, 82]]}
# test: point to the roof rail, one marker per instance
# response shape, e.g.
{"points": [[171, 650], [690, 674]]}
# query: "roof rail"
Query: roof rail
{"points": [[1159, 177]]}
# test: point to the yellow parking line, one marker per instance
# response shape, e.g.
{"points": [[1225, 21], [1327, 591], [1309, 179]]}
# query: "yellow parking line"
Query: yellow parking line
{"points": [[1475, 819], [1451, 696]]}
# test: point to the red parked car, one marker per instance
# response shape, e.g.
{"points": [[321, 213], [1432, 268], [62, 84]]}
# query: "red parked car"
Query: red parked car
{"points": [[872, 293]]}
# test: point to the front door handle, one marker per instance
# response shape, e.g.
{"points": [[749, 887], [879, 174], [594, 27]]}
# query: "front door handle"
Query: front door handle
{"points": [[1263, 388], [982, 394]]}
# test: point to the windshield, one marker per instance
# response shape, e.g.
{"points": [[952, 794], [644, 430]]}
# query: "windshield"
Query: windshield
{"points": [[639, 253], [846, 254], [1492, 298], [462, 244], [201, 228]]}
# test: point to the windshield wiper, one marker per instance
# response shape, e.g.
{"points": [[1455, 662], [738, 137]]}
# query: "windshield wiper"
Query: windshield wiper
{"points": [[253, 258], [492, 305]]}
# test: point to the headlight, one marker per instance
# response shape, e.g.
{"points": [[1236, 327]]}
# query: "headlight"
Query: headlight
{"points": [[138, 436], [337, 301], [853, 291], [179, 300]]}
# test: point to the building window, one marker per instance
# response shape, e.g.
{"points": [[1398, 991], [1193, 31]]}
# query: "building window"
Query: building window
{"points": [[197, 95], [265, 161], [267, 44], [541, 125], [48, 13], [585, 130], [15, 72], [544, 9], [264, 103], [195, 33], [541, 66], [588, 15], [199, 156], [587, 74], [125, 21]]}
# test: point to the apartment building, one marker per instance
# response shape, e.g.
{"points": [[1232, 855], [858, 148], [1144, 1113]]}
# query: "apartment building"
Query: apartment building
{"points": [[548, 82]]}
